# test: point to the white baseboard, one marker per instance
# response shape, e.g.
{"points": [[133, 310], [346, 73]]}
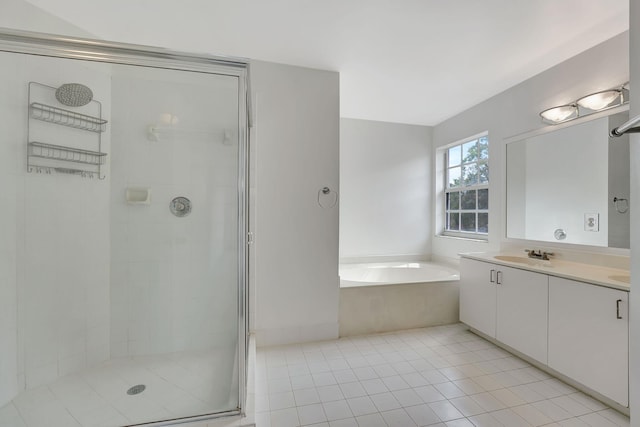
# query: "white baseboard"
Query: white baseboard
{"points": [[296, 334]]}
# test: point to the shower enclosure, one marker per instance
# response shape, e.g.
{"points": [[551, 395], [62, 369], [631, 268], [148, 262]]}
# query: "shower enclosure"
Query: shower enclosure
{"points": [[123, 222]]}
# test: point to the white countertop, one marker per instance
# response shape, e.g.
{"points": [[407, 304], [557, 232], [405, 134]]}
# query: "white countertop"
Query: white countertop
{"points": [[589, 273]]}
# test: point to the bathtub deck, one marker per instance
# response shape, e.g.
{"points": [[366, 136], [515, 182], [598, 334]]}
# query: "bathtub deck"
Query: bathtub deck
{"points": [[391, 273], [372, 309]]}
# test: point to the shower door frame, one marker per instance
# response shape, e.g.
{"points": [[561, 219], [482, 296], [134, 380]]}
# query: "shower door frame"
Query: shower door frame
{"points": [[66, 47]]}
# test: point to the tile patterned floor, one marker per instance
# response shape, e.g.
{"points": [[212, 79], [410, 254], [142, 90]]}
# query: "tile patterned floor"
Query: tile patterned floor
{"points": [[441, 376], [178, 385]]}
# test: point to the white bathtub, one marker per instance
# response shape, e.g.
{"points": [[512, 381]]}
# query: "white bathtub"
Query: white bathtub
{"points": [[412, 295], [388, 273]]}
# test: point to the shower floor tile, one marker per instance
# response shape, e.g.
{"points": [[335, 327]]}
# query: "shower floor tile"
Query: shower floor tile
{"points": [[177, 385], [438, 376]]}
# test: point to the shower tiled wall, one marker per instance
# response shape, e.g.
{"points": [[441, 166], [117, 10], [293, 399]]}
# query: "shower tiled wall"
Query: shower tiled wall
{"points": [[173, 280], [8, 288], [54, 273], [64, 300]]}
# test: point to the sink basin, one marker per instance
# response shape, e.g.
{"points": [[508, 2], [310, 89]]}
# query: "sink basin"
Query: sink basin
{"points": [[522, 260], [518, 259], [625, 278], [533, 262]]}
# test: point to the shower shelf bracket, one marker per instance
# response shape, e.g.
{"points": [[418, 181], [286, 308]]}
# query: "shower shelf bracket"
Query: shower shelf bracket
{"points": [[48, 170], [68, 154], [60, 116]]}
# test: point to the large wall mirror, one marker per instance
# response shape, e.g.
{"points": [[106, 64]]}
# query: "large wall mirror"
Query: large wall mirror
{"points": [[570, 185]]}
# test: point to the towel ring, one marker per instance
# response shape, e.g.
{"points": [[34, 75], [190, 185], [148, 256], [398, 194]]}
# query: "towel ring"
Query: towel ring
{"points": [[327, 198], [622, 209]]}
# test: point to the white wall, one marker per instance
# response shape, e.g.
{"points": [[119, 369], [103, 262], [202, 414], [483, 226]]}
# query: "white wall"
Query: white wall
{"points": [[174, 280], [385, 189], [296, 139], [515, 111], [634, 297], [19, 14]]}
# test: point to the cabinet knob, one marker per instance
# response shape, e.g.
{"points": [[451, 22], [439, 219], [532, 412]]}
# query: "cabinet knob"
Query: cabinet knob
{"points": [[491, 274]]}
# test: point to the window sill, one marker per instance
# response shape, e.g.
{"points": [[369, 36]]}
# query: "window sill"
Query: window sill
{"points": [[468, 239]]}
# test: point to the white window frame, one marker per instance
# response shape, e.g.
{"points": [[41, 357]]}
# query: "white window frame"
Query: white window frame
{"points": [[478, 186]]}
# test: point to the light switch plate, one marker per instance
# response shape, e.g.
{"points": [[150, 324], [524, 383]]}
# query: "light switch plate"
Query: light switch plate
{"points": [[591, 222]]}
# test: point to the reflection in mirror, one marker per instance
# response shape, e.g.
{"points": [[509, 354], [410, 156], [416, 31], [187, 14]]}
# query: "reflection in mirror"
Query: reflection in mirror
{"points": [[570, 185]]}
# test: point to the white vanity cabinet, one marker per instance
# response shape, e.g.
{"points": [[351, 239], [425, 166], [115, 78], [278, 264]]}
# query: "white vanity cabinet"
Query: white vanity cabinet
{"points": [[575, 328], [478, 295], [507, 304], [522, 311], [589, 336]]}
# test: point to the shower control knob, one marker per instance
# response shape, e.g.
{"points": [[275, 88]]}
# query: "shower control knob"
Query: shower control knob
{"points": [[180, 206]]}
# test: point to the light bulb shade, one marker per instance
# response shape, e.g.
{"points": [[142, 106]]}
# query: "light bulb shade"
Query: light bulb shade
{"points": [[599, 100], [560, 114]]}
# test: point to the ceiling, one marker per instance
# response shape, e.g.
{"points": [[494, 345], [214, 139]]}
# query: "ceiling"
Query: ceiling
{"points": [[405, 61]]}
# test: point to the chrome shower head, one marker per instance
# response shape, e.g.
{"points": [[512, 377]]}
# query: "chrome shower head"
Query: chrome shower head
{"points": [[74, 94]]}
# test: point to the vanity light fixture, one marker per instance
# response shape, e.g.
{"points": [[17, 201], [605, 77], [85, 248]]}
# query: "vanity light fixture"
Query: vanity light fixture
{"points": [[586, 105], [560, 114], [599, 100]]}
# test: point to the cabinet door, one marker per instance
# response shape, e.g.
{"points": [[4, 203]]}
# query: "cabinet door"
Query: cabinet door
{"points": [[587, 340], [478, 295], [522, 311]]}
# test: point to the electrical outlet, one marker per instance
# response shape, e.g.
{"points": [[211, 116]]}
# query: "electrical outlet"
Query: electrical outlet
{"points": [[591, 222]]}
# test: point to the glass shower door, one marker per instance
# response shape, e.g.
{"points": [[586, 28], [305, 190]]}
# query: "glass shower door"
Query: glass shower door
{"points": [[125, 237], [174, 248]]}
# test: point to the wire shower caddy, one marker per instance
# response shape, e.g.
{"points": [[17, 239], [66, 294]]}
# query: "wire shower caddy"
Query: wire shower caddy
{"points": [[48, 158]]}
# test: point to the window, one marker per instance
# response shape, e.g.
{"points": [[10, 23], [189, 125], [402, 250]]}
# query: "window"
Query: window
{"points": [[467, 188]]}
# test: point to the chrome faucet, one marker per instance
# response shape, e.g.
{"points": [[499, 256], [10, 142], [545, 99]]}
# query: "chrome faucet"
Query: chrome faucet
{"points": [[539, 255]]}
